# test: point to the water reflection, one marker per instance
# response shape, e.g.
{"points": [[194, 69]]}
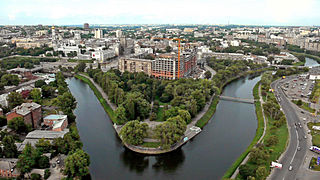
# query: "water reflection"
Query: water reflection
{"points": [[169, 162], [134, 161]]}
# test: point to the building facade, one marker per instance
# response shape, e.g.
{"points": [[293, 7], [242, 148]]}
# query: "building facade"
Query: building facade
{"points": [[30, 112]]}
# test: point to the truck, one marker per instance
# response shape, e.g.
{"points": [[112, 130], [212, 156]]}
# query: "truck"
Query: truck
{"points": [[315, 149]]}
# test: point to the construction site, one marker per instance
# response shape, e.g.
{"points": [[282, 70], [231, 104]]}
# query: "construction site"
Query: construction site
{"points": [[173, 65]]}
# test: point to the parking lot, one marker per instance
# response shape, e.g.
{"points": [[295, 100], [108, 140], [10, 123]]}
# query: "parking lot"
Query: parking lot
{"points": [[299, 88]]}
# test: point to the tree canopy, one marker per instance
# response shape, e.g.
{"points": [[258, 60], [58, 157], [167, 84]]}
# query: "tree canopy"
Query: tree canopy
{"points": [[134, 132]]}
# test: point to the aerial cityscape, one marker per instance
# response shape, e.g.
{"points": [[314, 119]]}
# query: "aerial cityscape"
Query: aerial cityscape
{"points": [[160, 90]]}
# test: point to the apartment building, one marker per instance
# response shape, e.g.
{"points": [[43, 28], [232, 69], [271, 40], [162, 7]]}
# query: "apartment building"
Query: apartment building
{"points": [[30, 112]]}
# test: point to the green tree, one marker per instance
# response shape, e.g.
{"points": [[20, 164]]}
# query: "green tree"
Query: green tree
{"points": [[134, 132], [272, 140], [47, 173], [48, 91], [26, 161], [66, 103], [3, 121], [28, 65], [18, 125], [80, 67], [36, 95], [121, 115], [35, 176], [43, 145], [170, 131], [207, 74], [259, 155], [9, 148], [43, 162], [10, 80], [77, 164], [14, 99], [299, 102], [261, 172], [246, 170], [185, 115]]}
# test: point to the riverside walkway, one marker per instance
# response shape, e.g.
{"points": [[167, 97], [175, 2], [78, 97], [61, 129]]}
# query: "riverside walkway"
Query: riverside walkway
{"points": [[236, 99], [190, 132]]}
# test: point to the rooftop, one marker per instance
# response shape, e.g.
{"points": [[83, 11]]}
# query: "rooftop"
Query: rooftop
{"points": [[39, 134]]}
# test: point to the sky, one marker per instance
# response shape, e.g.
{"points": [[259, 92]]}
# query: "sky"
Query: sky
{"points": [[244, 12]]}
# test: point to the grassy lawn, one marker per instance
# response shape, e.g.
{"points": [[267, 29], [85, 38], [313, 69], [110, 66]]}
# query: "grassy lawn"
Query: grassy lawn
{"points": [[259, 133], [160, 103], [315, 92], [160, 115], [79, 60], [304, 106], [103, 102], [151, 144], [299, 63], [315, 134], [313, 164], [207, 116], [282, 134]]}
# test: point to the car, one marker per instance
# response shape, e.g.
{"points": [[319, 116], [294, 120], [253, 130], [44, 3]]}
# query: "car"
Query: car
{"points": [[299, 148], [302, 112], [290, 168], [305, 137]]}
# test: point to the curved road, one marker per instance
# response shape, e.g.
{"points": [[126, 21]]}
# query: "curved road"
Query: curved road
{"points": [[291, 156]]}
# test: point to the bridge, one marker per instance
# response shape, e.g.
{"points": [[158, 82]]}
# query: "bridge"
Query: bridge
{"points": [[287, 66], [236, 99]]}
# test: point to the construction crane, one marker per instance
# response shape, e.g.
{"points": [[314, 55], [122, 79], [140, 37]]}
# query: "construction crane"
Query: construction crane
{"points": [[175, 39]]}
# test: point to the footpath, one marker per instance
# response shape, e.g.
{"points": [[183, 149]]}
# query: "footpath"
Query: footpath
{"points": [[190, 132]]}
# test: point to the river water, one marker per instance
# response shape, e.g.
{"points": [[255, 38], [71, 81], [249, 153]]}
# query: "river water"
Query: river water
{"points": [[207, 156], [311, 62]]}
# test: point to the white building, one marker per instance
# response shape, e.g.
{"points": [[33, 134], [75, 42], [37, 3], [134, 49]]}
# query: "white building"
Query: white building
{"points": [[235, 43], [98, 33], [3, 100], [104, 55], [118, 33]]}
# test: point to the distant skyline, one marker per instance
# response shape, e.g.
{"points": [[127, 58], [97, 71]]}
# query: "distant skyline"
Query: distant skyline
{"points": [[76, 12]]}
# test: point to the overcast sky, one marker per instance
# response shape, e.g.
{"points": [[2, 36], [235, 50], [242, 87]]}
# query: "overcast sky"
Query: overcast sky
{"points": [[247, 12]]}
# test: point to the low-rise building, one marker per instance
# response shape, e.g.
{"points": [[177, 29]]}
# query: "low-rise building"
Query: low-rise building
{"points": [[7, 168], [56, 122], [30, 112]]}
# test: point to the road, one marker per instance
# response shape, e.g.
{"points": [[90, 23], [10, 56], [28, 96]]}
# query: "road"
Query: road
{"points": [[291, 156]]}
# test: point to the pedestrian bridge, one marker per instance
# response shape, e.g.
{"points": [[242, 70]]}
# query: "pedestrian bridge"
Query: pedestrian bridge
{"points": [[236, 99]]}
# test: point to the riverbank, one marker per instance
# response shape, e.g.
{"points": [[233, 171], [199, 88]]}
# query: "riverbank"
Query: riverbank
{"points": [[100, 94], [207, 116], [258, 137], [190, 132], [316, 58]]}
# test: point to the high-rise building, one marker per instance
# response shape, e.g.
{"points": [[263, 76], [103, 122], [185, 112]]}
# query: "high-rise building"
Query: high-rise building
{"points": [[98, 33], [86, 26], [53, 33], [118, 33], [164, 66]]}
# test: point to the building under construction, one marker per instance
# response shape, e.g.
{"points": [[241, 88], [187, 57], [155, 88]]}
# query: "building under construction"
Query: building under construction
{"points": [[163, 66]]}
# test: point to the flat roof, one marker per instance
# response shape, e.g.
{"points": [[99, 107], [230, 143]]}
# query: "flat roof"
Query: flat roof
{"points": [[55, 116], [39, 134]]}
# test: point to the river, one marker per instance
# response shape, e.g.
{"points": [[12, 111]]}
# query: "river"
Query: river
{"points": [[207, 156], [311, 62]]}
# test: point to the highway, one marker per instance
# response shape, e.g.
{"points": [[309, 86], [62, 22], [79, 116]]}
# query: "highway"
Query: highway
{"points": [[292, 156]]}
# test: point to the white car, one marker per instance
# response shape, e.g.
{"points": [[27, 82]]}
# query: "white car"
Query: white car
{"points": [[290, 168]]}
